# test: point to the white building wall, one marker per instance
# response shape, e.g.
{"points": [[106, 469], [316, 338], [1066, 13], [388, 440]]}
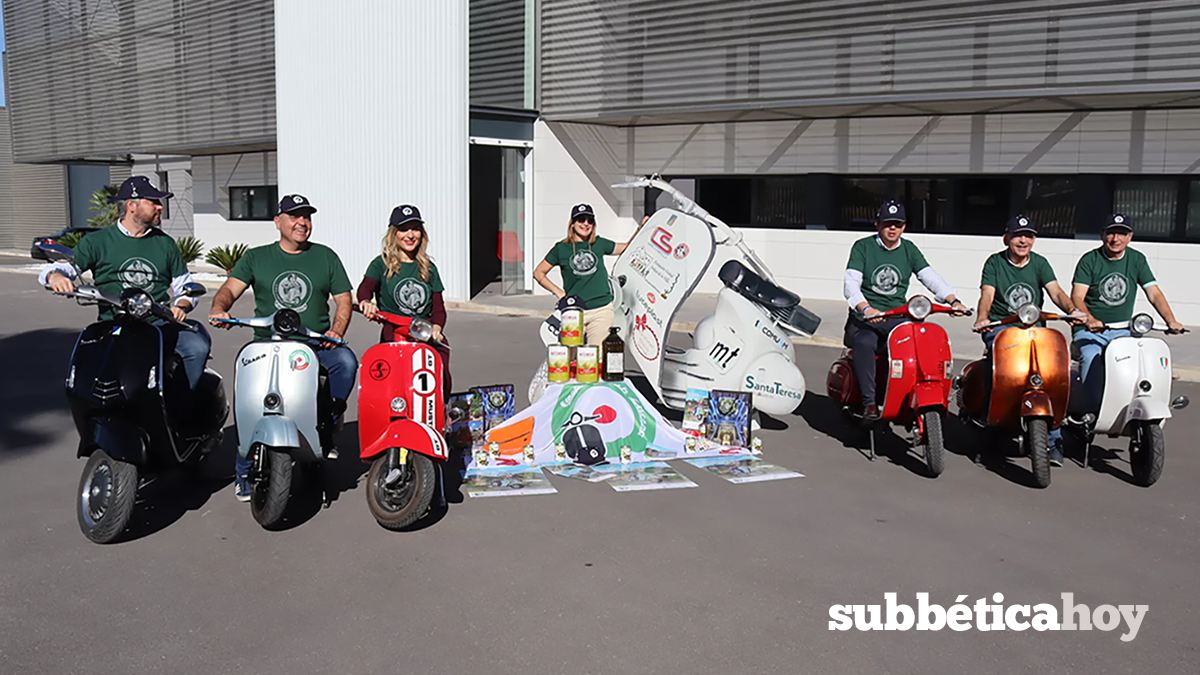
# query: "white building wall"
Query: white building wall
{"points": [[372, 112], [212, 177]]}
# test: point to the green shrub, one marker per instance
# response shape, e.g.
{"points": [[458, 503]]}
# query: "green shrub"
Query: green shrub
{"points": [[226, 257], [190, 248], [106, 214], [70, 239]]}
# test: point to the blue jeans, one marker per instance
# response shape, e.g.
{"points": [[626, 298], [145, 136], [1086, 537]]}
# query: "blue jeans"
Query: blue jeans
{"points": [[192, 347], [1091, 373], [989, 338], [340, 366]]}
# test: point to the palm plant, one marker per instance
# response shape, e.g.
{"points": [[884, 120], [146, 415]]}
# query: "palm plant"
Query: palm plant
{"points": [[106, 214], [190, 248], [226, 257]]}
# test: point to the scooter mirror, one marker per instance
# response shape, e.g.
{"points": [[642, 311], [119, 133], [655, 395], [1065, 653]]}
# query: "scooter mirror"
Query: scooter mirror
{"points": [[57, 252], [194, 290], [1180, 402]]}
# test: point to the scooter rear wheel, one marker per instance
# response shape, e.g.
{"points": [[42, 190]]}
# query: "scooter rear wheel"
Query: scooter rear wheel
{"points": [[398, 506], [1147, 453], [1037, 443], [269, 494], [104, 501]]}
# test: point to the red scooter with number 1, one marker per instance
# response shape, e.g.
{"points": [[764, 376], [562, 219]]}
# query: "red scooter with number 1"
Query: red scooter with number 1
{"points": [[915, 378], [401, 415]]}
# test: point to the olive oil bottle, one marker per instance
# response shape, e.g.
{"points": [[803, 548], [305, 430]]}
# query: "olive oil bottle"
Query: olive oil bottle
{"points": [[614, 356]]}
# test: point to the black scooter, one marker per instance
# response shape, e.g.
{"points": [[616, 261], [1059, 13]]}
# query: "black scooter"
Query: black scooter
{"points": [[134, 412]]}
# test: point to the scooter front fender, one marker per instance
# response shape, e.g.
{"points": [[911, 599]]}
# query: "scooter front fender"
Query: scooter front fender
{"points": [[275, 431], [1037, 403], [118, 438], [1147, 409], [409, 434], [928, 395]]}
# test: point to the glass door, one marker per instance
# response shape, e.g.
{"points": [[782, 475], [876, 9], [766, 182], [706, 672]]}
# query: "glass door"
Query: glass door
{"points": [[512, 221]]}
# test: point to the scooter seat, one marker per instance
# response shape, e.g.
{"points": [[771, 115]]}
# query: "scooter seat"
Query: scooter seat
{"points": [[782, 304]]}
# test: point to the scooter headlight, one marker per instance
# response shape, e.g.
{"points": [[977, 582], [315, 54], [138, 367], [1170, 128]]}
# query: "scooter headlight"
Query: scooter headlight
{"points": [[1141, 324], [137, 303], [1029, 314], [919, 307], [420, 330]]}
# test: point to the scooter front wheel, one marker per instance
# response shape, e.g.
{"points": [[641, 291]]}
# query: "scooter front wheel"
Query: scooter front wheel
{"points": [[107, 491], [935, 445], [1147, 452], [1037, 443], [406, 500], [269, 493]]}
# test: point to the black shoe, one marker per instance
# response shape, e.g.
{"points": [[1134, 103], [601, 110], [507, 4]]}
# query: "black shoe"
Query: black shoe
{"points": [[871, 414]]}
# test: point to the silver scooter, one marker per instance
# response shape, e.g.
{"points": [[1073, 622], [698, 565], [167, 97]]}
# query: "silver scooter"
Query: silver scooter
{"points": [[281, 409]]}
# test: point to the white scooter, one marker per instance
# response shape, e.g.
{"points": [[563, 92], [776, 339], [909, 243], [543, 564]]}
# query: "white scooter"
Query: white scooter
{"points": [[1136, 401], [280, 410], [744, 346]]}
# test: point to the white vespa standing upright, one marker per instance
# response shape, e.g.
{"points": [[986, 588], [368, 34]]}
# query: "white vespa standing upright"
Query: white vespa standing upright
{"points": [[1136, 401], [278, 410], [745, 345]]}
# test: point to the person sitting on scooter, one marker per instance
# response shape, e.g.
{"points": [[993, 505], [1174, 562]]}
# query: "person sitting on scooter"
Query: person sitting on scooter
{"points": [[296, 273], [876, 280], [581, 259], [136, 254], [1011, 279], [403, 280], [1104, 289]]}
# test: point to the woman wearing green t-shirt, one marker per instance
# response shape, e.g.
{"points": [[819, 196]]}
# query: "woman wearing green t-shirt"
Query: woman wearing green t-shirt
{"points": [[403, 280], [581, 259]]}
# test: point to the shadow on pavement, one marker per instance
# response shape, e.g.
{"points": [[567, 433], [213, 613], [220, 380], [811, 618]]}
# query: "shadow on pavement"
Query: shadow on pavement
{"points": [[33, 383]]}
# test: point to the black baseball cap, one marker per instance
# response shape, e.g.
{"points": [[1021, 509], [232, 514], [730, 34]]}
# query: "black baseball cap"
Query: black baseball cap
{"points": [[294, 203], [582, 210], [405, 213], [138, 187], [1019, 223], [1119, 221], [891, 211]]}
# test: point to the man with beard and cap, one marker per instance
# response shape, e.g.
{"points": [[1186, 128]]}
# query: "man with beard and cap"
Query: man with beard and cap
{"points": [[135, 253], [299, 274]]}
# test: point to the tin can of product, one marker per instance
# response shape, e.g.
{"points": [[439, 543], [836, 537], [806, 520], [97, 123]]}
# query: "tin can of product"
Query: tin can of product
{"points": [[527, 453], [571, 327], [587, 359], [481, 457], [494, 449], [558, 363], [756, 445], [626, 454], [690, 445], [560, 452]]}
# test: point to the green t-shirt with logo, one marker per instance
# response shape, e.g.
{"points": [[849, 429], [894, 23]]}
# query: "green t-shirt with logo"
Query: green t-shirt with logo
{"points": [[885, 273], [1112, 284], [301, 281], [404, 293], [583, 270], [1015, 286], [118, 261]]}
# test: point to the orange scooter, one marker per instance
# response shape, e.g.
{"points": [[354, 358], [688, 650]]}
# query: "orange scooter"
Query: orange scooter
{"points": [[1030, 387]]}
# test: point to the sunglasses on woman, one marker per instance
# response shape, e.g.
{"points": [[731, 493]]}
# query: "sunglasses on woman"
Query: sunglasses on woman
{"points": [[587, 220]]}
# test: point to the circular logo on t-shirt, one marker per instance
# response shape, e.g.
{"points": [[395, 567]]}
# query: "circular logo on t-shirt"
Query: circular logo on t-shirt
{"points": [[292, 290], [411, 295], [137, 273], [1018, 295], [1114, 289], [885, 280], [583, 263]]}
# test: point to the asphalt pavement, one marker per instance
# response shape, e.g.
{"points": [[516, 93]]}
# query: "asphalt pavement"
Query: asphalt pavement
{"points": [[721, 578]]}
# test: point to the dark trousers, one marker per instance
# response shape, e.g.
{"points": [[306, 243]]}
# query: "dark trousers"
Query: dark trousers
{"points": [[867, 339]]}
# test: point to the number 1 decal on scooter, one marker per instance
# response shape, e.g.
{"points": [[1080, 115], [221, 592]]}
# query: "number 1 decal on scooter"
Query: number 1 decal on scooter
{"points": [[424, 382]]}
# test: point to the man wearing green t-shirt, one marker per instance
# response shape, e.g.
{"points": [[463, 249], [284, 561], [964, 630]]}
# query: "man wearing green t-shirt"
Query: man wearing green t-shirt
{"points": [[134, 253], [876, 280], [296, 273], [1105, 288]]}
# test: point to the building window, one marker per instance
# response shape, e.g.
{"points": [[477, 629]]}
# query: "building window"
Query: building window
{"points": [[253, 203], [779, 202], [1050, 203], [164, 184], [860, 201], [1193, 210], [1150, 203], [729, 199]]}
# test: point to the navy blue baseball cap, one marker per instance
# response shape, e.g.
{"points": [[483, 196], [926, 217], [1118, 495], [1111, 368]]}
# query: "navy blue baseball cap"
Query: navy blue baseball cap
{"points": [[1019, 223], [581, 210], [294, 203], [891, 211], [1119, 221], [138, 187], [404, 214]]}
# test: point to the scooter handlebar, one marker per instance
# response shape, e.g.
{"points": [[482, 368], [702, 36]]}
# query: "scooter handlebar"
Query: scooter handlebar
{"points": [[407, 324]]}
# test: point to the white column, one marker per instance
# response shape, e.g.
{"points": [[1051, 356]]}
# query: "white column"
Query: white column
{"points": [[372, 112]]}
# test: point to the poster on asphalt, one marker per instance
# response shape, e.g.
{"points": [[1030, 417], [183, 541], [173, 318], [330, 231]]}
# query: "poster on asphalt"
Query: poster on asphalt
{"points": [[743, 469], [507, 482], [645, 476]]}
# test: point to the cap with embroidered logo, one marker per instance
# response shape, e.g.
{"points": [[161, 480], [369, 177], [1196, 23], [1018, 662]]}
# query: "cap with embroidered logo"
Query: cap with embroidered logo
{"points": [[1019, 223], [405, 213], [581, 210], [138, 187], [294, 203], [1118, 221], [892, 211]]}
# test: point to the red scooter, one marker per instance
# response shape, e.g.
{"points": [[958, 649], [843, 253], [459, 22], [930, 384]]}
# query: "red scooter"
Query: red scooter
{"points": [[401, 416], [914, 379]]}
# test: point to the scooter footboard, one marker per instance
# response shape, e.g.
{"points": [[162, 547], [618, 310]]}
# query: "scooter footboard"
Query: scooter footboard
{"points": [[405, 433]]}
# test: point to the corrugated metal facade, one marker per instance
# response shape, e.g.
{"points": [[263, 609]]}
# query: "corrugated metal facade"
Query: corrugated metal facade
{"points": [[624, 59], [385, 122], [498, 53], [104, 79], [22, 216]]}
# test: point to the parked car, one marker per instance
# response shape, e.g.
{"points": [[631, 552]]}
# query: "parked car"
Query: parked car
{"points": [[37, 254]]}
